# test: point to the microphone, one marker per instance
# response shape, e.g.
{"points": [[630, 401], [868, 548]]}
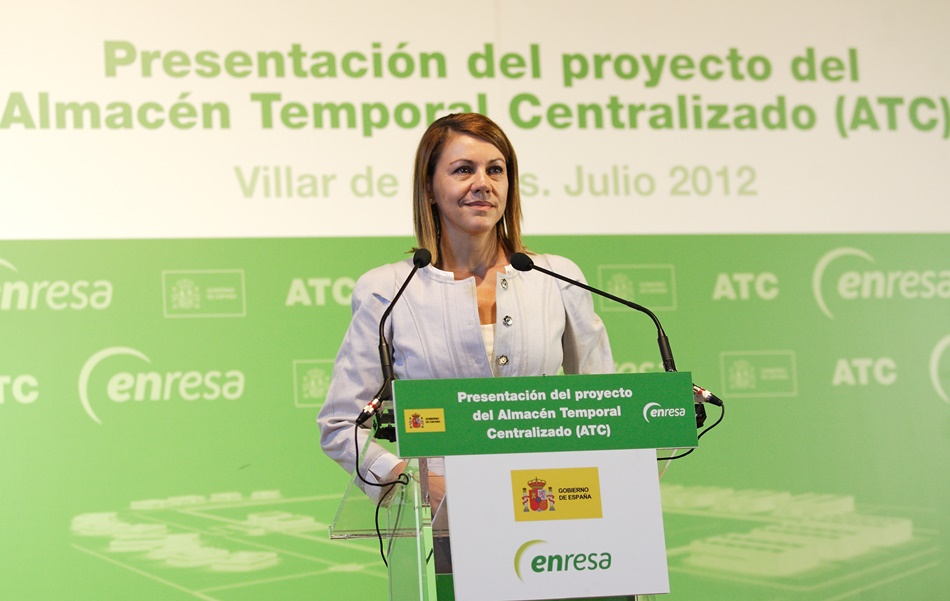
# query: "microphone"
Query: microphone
{"points": [[523, 262], [420, 259]]}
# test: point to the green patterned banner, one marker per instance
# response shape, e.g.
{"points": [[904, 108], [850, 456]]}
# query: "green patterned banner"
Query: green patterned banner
{"points": [[158, 402]]}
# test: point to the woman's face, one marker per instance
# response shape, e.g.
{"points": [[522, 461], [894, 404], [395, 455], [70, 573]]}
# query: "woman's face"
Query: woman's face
{"points": [[470, 186]]}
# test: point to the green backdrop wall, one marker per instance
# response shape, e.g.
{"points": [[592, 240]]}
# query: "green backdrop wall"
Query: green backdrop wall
{"points": [[173, 290]]}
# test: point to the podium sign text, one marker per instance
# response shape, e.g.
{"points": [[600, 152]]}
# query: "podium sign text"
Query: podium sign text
{"points": [[541, 414]]}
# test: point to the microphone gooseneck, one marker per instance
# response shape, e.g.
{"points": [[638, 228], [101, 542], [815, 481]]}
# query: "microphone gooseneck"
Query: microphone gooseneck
{"points": [[420, 259], [523, 262]]}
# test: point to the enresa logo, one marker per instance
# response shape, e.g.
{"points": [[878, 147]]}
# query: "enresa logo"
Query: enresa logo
{"points": [[865, 284], [153, 385], [22, 295], [547, 563], [654, 410]]}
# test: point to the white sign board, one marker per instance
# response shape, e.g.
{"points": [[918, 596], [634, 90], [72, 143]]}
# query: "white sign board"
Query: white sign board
{"points": [[556, 525]]}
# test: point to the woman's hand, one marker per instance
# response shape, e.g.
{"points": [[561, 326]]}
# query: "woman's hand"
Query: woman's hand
{"points": [[436, 492], [392, 476]]}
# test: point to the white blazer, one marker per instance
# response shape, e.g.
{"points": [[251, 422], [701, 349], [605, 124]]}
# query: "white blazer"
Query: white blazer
{"points": [[434, 331]]}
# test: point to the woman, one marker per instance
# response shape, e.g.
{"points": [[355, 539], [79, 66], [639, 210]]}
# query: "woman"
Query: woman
{"points": [[469, 314]]}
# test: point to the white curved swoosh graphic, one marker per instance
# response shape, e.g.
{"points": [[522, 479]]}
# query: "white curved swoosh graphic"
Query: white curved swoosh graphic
{"points": [[91, 364], [935, 365], [8, 265], [647, 410], [819, 272]]}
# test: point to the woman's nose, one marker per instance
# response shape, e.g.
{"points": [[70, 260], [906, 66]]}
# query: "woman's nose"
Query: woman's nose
{"points": [[481, 181]]}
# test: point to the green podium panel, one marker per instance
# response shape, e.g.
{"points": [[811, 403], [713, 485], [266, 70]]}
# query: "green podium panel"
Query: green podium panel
{"points": [[552, 487], [544, 414]]}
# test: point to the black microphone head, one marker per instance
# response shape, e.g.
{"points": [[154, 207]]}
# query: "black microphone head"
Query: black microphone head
{"points": [[421, 258], [522, 262]]}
